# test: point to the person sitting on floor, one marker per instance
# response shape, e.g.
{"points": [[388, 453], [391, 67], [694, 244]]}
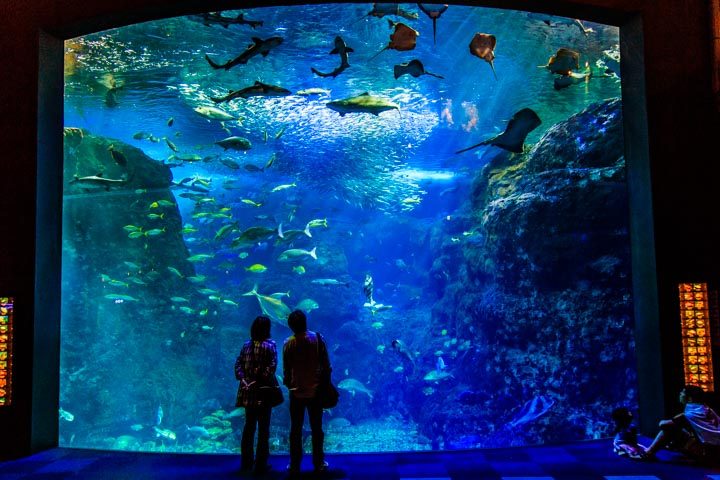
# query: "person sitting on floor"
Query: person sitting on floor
{"points": [[695, 432], [625, 442]]}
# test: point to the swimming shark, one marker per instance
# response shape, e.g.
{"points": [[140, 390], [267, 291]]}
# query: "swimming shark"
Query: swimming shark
{"points": [[217, 18], [258, 47], [258, 89], [522, 122], [341, 49], [364, 103]]}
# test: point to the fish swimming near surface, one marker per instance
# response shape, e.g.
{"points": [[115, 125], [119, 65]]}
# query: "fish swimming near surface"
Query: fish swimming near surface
{"points": [[341, 49], [216, 18], [532, 409], [364, 103], [402, 39], [482, 46], [433, 14], [258, 47], [235, 143], [379, 10], [414, 68], [214, 113], [258, 89], [563, 61], [512, 139], [355, 386]]}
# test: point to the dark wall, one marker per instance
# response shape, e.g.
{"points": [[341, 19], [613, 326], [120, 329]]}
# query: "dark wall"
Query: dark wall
{"points": [[682, 128]]}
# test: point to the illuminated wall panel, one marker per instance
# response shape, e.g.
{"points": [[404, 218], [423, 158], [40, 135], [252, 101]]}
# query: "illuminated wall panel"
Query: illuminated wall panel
{"points": [[697, 345], [6, 325]]}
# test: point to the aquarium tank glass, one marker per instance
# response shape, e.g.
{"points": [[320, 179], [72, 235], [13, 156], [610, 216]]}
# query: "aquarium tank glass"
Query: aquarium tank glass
{"points": [[442, 191]]}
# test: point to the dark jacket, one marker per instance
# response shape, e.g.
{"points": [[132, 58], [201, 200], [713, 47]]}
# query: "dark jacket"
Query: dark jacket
{"points": [[305, 363]]}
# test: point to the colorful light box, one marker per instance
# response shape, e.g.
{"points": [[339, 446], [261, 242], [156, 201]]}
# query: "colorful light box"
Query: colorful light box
{"points": [[696, 340], [6, 330]]}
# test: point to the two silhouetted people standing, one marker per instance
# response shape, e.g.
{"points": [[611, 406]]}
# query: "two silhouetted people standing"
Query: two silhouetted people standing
{"points": [[305, 365]]}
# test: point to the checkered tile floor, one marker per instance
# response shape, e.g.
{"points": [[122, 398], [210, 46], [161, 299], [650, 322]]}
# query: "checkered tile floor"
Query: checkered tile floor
{"points": [[582, 461]]}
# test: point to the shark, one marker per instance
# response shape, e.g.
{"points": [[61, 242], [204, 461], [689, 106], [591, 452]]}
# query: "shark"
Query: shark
{"points": [[341, 49], [258, 47], [414, 68], [364, 103], [433, 14], [522, 122], [216, 18], [258, 89]]}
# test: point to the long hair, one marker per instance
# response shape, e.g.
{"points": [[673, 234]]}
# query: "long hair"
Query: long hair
{"points": [[260, 329]]}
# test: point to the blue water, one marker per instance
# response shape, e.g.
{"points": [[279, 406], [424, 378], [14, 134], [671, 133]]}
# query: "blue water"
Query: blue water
{"points": [[387, 184]]}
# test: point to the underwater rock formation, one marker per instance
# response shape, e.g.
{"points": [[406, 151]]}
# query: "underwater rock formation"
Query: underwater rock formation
{"points": [[544, 297], [123, 251]]}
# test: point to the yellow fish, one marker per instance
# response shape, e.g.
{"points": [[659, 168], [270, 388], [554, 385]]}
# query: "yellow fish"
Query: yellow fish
{"points": [[256, 268]]}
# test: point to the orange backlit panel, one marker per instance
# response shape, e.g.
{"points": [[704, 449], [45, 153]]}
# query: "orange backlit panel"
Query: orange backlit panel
{"points": [[694, 324], [6, 331]]}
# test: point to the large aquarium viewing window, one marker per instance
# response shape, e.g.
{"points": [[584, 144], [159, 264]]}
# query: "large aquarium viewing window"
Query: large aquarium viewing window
{"points": [[441, 189]]}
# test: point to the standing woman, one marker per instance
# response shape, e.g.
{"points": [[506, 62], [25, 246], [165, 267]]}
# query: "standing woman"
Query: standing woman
{"points": [[255, 367]]}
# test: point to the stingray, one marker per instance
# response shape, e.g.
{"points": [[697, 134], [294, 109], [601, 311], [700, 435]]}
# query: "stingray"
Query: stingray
{"points": [[522, 122], [483, 46], [433, 15], [402, 39], [563, 62], [414, 68]]}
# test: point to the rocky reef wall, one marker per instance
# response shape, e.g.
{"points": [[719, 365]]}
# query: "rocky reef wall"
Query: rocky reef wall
{"points": [[539, 285]]}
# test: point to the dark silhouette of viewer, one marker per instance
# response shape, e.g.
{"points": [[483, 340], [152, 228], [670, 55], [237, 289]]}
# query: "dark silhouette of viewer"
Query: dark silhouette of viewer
{"points": [[255, 367], [625, 442], [695, 432], [305, 364]]}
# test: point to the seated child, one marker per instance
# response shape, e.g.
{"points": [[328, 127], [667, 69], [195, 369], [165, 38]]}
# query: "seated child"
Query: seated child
{"points": [[625, 442]]}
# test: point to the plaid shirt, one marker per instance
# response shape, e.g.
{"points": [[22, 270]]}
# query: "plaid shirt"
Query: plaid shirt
{"points": [[256, 363]]}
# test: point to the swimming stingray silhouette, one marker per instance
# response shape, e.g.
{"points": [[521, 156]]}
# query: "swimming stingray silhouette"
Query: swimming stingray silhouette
{"points": [[414, 68], [433, 14], [402, 39], [482, 46], [512, 139]]}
